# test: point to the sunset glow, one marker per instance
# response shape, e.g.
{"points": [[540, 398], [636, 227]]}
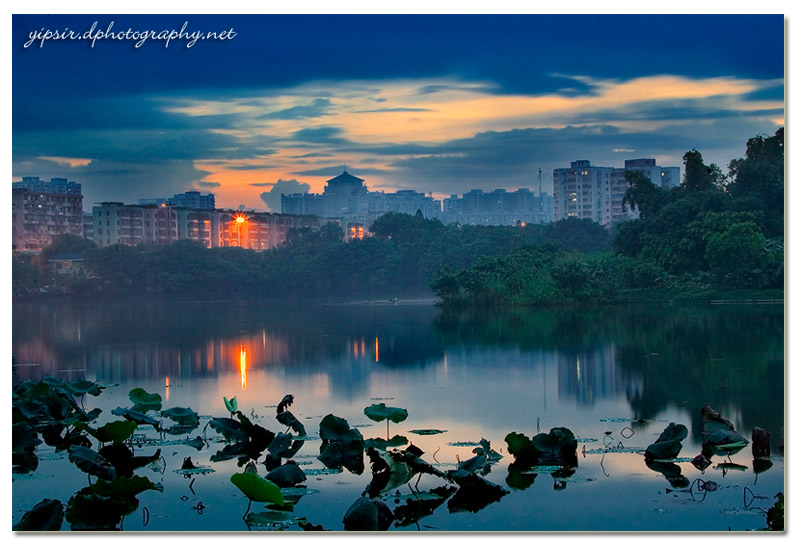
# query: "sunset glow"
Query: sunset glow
{"points": [[462, 109]]}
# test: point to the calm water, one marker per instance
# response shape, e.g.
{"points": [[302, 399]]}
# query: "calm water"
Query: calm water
{"points": [[616, 377]]}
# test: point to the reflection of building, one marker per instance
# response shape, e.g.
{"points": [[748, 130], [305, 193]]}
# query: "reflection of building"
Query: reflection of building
{"points": [[117, 223], [347, 198], [596, 193], [591, 373], [39, 216], [499, 207]]}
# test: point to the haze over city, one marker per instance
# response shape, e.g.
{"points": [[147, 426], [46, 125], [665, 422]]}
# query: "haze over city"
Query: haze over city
{"points": [[437, 104]]}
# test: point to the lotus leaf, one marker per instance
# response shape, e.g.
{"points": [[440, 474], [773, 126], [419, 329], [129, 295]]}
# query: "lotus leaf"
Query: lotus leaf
{"points": [[144, 401], [92, 463], [383, 444], [125, 487], [333, 428], [368, 515], [229, 428], [474, 492], [288, 419], [521, 447], [415, 509], [88, 511], [137, 416], [668, 445], [724, 442], [184, 416], [117, 432], [287, 475], [45, 516], [81, 387], [230, 404], [257, 488], [380, 412]]}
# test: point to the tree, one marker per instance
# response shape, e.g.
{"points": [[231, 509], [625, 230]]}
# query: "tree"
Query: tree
{"points": [[757, 181], [699, 177], [583, 235], [737, 256], [642, 194]]}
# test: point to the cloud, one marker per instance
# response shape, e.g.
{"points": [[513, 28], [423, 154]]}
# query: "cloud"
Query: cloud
{"points": [[272, 198], [203, 183], [318, 108]]}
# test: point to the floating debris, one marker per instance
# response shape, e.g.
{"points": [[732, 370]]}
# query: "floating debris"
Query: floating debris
{"points": [[738, 512], [464, 444], [576, 479], [298, 491], [30, 476], [427, 431], [616, 450], [322, 471], [52, 456], [586, 440], [380, 398], [202, 470], [537, 470]]}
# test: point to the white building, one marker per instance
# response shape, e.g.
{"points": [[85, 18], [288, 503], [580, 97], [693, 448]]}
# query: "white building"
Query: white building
{"points": [[596, 193]]}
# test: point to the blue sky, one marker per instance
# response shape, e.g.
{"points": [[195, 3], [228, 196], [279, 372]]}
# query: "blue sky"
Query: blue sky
{"points": [[440, 104]]}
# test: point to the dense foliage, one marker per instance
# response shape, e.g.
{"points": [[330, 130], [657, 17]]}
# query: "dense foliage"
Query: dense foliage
{"points": [[705, 237], [399, 259]]}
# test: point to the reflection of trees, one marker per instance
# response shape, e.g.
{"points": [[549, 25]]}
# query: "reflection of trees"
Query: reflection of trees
{"points": [[189, 339], [729, 357]]}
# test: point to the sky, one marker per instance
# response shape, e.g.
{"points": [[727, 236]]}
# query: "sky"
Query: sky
{"points": [[440, 104]]}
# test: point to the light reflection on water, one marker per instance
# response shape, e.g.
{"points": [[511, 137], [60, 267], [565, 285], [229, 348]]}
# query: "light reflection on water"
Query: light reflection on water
{"points": [[476, 376]]}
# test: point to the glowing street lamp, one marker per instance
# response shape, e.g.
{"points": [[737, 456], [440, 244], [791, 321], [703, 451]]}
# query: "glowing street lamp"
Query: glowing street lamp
{"points": [[239, 220]]}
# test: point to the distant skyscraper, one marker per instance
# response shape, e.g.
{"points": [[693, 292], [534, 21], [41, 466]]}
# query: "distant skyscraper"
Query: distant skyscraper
{"points": [[191, 198], [499, 207], [596, 193]]}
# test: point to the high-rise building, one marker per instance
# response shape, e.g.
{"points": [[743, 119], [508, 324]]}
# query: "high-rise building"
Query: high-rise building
{"points": [[596, 193], [499, 207], [41, 211]]}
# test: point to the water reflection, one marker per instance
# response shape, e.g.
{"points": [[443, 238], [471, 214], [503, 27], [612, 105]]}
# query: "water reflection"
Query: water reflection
{"points": [[652, 359]]}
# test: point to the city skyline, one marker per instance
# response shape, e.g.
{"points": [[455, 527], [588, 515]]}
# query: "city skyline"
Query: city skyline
{"points": [[441, 104]]}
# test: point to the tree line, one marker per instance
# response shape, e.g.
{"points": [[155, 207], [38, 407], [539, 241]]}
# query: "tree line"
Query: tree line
{"points": [[708, 236]]}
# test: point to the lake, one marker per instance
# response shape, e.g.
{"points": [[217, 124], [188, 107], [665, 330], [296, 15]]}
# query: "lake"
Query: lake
{"points": [[616, 377]]}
